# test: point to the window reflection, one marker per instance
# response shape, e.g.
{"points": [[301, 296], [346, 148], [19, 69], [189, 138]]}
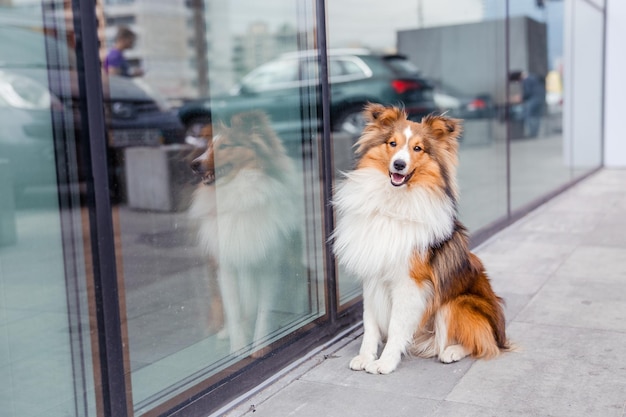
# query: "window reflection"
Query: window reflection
{"points": [[538, 154], [359, 76], [46, 362], [584, 85], [248, 214], [214, 166]]}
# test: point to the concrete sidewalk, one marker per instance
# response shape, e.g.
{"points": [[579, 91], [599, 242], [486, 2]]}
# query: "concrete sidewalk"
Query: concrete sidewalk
{"points": [[562, 272]]}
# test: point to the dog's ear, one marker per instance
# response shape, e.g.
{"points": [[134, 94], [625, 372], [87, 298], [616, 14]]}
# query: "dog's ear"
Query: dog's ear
{"points": [[443, 126], [380, 121], [379, 115], [249, 121]]}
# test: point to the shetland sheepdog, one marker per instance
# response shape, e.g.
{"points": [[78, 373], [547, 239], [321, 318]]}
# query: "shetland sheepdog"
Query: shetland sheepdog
{"points": [[424, 292], [247, 215]]}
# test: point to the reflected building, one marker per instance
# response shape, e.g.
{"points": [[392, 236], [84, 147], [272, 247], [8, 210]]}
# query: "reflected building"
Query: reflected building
{"points": [[428, 49], [176, 60], [259, 44], [550, 13], [174, 43], [449, 12]]}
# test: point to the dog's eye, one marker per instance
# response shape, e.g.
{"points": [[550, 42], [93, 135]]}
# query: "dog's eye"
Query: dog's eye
{"points": [[417, 148], [393, 143]]}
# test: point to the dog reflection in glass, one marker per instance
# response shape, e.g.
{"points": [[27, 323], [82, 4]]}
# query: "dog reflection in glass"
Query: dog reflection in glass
{"points": [[248, 215]]}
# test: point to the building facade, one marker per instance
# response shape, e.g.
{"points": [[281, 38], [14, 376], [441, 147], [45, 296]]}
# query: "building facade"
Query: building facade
{"points": [[138, 278]]}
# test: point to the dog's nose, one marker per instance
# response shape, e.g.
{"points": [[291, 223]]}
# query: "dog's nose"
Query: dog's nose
{"points": [[196, 165], [399, 164]]}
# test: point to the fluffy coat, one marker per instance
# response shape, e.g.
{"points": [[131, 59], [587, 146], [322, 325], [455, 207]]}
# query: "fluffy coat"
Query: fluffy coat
{"points": [[397, 230]]}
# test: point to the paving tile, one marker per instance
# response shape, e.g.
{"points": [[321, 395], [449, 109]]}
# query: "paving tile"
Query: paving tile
{"points": [[579, 302], [610, 230], [563, 222], [558, 371], [513, 304], [314, 399], [620, 205], [566, 241], [536, 228], [600, 192], [585, 199], [606, 178], [516, 283], [427, 378], [510, 256], [596, 263], [455, 409]]}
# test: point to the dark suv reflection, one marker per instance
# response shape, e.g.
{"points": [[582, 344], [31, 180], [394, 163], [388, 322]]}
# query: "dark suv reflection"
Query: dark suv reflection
{"points": [[280, 88]]}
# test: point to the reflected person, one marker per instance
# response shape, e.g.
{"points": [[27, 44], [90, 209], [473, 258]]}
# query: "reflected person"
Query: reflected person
{"points": [[115, 62], [533, 98]]}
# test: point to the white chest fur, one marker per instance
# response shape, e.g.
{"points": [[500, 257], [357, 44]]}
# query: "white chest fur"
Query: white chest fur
{"points": [[245, 220], [379, 226]]}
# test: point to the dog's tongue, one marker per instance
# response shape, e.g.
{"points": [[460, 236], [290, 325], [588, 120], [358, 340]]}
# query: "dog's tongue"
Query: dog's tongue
{"points": [[397, 179]]}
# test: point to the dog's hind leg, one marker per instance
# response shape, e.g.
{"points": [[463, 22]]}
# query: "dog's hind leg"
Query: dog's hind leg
{"points": [[262, 326], [268, 288], [469, 330], [453, 353]]}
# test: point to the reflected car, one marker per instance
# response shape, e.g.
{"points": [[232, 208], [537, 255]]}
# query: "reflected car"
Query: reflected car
{"points": [[284, 88], [462, 106], [34, 94], [137, 115], [27, 148]]}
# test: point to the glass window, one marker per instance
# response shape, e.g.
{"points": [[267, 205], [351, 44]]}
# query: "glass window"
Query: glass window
{"points": [[401, 66], [424, 55], [352, 68], [335, 68], [538, 154], [309, 70], [583, 147], [214, 165], [347, 68], [46, 364], [272, 75], [120, 20]]}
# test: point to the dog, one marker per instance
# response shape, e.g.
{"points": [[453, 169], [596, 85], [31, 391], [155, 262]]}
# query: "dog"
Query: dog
{"points": [[247, 214], [397, 230]]}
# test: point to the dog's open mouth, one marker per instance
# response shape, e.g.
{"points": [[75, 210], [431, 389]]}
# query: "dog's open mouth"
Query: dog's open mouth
{"points": [[209, 177], [399, 179]]}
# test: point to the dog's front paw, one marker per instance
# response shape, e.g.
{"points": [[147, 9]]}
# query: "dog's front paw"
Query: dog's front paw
{"points": [[359, 362], [381, 366]]}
